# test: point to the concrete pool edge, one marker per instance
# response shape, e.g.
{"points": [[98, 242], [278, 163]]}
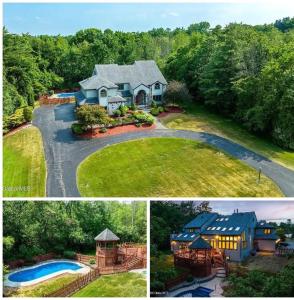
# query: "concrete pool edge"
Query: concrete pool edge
{"points": [[8, 283]]}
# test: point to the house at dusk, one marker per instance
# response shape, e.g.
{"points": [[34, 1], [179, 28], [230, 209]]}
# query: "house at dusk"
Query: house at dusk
{"points": [[212, 239]]}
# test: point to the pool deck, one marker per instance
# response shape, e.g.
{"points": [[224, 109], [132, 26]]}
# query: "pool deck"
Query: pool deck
{"points": [[8, 283]]}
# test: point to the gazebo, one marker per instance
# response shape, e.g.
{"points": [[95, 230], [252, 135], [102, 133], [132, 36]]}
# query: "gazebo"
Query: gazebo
{"points": [[197, 258], [106, 248]]}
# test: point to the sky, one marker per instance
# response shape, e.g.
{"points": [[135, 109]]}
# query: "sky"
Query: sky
{"points": [[68, 18], [264, 210]]}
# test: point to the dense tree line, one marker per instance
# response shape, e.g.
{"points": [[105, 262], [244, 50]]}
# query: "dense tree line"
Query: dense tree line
{"points": [[244, 72], [169, 217], [36, 227]]}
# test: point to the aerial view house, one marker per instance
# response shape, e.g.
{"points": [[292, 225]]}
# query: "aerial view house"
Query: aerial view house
{"points": [[212, 239], [113, 85]]}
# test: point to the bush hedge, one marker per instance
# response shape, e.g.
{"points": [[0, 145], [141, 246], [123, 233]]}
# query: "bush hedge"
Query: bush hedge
{"points": [[77, 128], [69, 254]]}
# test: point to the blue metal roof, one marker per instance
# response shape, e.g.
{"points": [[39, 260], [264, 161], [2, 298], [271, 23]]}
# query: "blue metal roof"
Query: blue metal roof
{"points": [[262, 236], [264, 224], [229, 225], [200, 220], [200, 243], [184, 237]]}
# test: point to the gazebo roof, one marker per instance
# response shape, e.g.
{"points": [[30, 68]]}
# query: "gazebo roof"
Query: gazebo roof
{"points": [[200, 243], [106, 236]]}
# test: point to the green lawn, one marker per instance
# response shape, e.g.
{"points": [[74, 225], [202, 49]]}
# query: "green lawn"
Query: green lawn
{"points": [[199, 119], [24, 173], [118, 285], [165, 167], [164, 262], [41, 289]]}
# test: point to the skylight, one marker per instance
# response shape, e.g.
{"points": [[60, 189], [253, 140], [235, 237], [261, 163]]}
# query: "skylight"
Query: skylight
{"points": [[180, 235], [231, 228], [185, 235], [261, 223], [208, 228], [192, 235], [224, 229], [218, 228], [221, 219], [237, 228], [226, 219], [213, 228], [217, 219]]}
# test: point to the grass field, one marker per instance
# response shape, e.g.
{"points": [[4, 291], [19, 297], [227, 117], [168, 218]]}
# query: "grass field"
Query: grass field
{"points": [[118, 285], [199, 119], [41, 289], [165, 167], [24, 170]]}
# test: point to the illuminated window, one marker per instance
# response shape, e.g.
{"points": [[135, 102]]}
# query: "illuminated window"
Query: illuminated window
{"points": [[228, 242], [267, 231], [213, 243], [244, 242]]}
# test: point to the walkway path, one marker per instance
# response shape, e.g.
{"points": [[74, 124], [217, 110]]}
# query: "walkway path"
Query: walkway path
{"points": [[64, 151]]}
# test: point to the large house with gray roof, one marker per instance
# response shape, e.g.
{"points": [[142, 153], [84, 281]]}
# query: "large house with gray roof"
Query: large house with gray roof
{"points": [[235, 235], [113, 85]]}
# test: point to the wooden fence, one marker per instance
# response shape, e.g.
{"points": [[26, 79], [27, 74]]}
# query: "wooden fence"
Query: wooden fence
{"points": [[45, 100], [85, 259], [76, 285], [177, 280], [43, 257]]}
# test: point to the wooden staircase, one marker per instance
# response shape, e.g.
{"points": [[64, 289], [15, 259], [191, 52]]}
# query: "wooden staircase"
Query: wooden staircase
{"points": [[221, 265], [133, 262]]}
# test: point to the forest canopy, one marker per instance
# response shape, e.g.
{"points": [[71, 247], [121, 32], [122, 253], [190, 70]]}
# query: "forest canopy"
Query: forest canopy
{"points": [[241, 71], [37, 227]]}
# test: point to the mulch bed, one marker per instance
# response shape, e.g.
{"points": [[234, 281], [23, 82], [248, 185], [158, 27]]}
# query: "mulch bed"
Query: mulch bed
{"points": [[18, 128], [116, 130], [172, 109]]}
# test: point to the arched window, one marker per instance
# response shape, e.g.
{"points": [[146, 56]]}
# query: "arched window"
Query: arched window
{"points": [[103, 93], [157, 86]]}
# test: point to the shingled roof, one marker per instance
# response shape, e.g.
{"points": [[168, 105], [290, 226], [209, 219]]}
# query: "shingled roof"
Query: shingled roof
{"points": [[264, 224], [106, 236], [143, 72]]}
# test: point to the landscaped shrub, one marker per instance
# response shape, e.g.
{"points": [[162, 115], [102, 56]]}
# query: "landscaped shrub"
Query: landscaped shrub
{"points": [[128, 120], [115, 122], [157, 286], [77, 128], [153, 104], [28, 252], [123, 109], [138, 124], [69, 254], [190, 278], [144, 118], [161, 109], [92, 262], [28, 113], [154, 111], [90, 115], [133, 107], [51, 92], [103, 130], [117, 113]]}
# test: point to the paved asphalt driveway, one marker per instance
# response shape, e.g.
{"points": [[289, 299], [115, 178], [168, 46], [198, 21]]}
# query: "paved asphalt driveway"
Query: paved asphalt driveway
{"points": [[64, 151]]}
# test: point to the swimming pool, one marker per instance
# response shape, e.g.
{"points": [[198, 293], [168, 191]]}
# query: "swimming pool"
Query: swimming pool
{"points": [[41, 272], [65, 95], [198, 292]]}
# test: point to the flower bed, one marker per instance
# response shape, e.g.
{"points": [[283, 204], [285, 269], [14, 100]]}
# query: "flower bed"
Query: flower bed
{"points": [[115, 130], [169, 110]]}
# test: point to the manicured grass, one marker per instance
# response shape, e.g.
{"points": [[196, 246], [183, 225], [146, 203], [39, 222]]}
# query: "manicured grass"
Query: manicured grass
{"points": [[44, 288], [118, 285], [199, 119], [163, 167], [24, 170]]}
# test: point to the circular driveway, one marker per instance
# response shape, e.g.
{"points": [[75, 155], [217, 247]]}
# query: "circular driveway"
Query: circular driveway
{"points": [[64, 151]]}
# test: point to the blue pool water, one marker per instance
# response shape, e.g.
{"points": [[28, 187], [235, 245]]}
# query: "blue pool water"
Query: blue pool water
{"points": [[65, 95], [199, 292], [42, 270]]}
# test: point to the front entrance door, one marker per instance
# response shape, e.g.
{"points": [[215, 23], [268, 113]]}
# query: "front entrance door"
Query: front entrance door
{"points": [[141, 98]]}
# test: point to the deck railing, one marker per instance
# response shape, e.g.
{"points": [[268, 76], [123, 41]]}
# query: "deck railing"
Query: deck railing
{"points": [[284, 251]]}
